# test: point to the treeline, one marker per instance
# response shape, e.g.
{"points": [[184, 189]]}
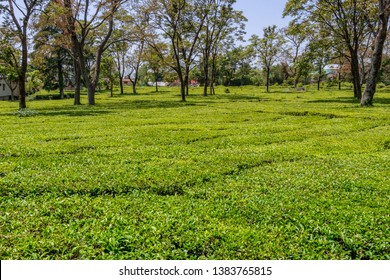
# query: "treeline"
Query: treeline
{"points": [[59, 44]]}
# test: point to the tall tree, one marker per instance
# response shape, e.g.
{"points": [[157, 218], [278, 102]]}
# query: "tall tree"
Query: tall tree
{"points": [[221, 21], [180, 22], [119, 51], [295, 49], [154, 63], [268, 49], [345, 21], [133, 63], [376, 60], [89, 22], [17, 16]]}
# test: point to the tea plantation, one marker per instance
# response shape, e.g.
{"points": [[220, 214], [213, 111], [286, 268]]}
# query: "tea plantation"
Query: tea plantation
{"points": [[238, 175]]}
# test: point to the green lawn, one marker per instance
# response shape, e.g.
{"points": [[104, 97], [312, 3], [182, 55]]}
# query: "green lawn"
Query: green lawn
{"points": [[244, 175]]}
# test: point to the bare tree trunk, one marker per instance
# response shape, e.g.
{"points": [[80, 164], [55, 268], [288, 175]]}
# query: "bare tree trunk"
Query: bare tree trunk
{"points": [[77, 83], [22, 75], [206, 70], [60, 75], [356, 75], [213, 74], [121, 83], [376, 60], [183, 91], [22, 91], [187, 79], [319, 77], [267, 82], [156, 80]]}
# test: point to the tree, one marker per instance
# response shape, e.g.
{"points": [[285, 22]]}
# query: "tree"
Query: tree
{"points": [[154, 63], [376, 59], [295, 49], [90, 24], [51, 51], [320, 53], [17, 16], [9, 60], [346, 22], [119, 52], [221, 21], [235, 66], [133, 63], [268, 49], [180, 22], [108, 72]]}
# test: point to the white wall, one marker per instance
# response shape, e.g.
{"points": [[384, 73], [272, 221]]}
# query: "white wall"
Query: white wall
{"points": [[5, 91]]}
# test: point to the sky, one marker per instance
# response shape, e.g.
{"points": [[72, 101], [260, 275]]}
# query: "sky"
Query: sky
{"points": [[262, 13]]}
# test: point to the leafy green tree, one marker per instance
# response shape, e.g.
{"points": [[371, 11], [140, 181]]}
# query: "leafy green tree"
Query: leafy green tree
{"points": [[119, 52], [235, 66], [154, 63], [180, 22], [268, 49], [108, 72], [295, 51], [17, 17], [345, 22], [89, 24], [221, 21], [9, 60], [134, 62], [51, 51]]}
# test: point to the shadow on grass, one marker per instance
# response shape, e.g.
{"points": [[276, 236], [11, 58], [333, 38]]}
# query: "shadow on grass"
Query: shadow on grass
{"points": [[352, 100], [231, 97], [73, 112], [153, 104], [105, 109]]}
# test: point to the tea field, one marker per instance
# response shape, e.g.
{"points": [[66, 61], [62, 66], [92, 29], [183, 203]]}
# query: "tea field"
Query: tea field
{"points": [[238, 175]]}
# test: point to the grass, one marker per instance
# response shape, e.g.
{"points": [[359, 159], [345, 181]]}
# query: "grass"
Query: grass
{"points": [[244, 175]]}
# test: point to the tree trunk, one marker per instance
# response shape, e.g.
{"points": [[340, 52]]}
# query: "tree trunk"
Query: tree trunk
{"points": [[339, 80], [183, 91], [356, 75], [156, 80], [267, 82], [121, 83], [22, 91], [91, 94], [213, 74], [319, 77], [206, 73], [182, 85], [376, 60], [186, 79], [22, 75], [60, 75], [77, 83]]}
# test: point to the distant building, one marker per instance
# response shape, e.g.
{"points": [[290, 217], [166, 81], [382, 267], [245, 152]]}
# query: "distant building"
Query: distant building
{"points": [[160, 84], [332, 70], [8, 90]]}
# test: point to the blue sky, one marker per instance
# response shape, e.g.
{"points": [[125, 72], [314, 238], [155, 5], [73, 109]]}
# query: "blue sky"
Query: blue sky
{"points": [[262, 13]]}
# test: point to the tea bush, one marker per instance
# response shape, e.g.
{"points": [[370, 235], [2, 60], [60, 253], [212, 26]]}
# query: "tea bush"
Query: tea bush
{"points": [[244, 175]]}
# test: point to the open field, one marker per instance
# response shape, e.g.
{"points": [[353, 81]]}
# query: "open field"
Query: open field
{"points": [[244, 175]]}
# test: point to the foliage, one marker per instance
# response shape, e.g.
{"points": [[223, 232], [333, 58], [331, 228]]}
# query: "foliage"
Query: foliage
{"points": [[267, 49], [245, 175]]}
